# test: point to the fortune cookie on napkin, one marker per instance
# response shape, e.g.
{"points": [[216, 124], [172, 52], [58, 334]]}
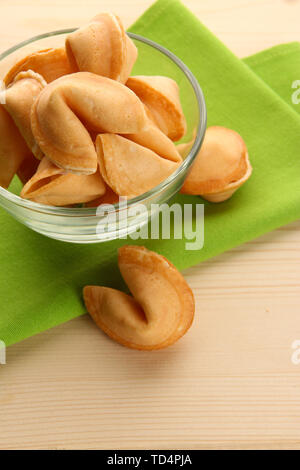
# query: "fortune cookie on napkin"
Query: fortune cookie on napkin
{"points": [[161, 97], [102, 47], [221, 166], [129, 168], [49, 63], [68, 108], [160, 310], [52, 186]]}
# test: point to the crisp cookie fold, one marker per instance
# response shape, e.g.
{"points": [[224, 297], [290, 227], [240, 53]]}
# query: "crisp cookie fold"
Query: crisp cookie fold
{"points": [[110, 197], [160, 311], [221, 166], [28, 168], [102, 47], [49, 63], [154, 139], [71, 106], [129, 168], [161, 96], [52, 186], [20, 97], [13, 149]]}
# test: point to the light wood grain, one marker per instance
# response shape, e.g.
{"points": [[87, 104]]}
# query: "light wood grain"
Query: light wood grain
{"points": [[230, 383]]}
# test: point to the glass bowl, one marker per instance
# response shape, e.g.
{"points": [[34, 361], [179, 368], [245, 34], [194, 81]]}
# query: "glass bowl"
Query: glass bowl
{"points": [[91, 225]]}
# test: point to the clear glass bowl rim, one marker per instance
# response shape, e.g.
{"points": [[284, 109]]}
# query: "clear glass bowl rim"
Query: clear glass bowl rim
{"points": [[201, 128]]}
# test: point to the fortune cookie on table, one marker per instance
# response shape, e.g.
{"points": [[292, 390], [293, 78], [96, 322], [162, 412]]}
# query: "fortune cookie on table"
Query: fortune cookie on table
{"points": [[221, 166], [129, 168], [71, 106], [160, 310], [49, 63], [102, 47], [13, 149], [20, 97], [161, 97], [52, 186]]}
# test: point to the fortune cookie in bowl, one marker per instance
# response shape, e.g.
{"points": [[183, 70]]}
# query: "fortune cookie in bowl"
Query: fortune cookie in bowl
{"points": [[129, 168], [49, 63], [20, 97], [71, 106], [160, 310], [102, 47], [154, 139], [161, 96], [28, 168], [110, 197], [221, 166], [13, 149], [52, 186]]}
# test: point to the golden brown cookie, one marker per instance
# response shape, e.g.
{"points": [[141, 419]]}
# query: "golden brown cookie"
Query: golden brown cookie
{"points": [[28, 168], [110, 197], [52, 186], [72, 106], [102, 47], [13, 149], [49, 63], [129, 168], [154, 139], [161, 308], [20, 97], [221, 166], [161, 96]]}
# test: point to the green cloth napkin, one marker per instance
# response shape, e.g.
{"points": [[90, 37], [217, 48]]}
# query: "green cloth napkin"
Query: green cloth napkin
{"points": [[41, 280]]}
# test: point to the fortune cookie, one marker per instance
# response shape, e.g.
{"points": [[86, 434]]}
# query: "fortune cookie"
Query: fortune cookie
{"points": [[221, 166], [161, 308], [28, 168], [110, 197], [13, 149], [49, 63], [161, 97], [154, 139], [52, 186], [129, 168], [20, 97], [102, 47], [71, 106]]}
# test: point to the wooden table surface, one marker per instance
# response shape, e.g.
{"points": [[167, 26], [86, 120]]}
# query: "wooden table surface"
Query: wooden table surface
{"points": [[231, 382]]}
